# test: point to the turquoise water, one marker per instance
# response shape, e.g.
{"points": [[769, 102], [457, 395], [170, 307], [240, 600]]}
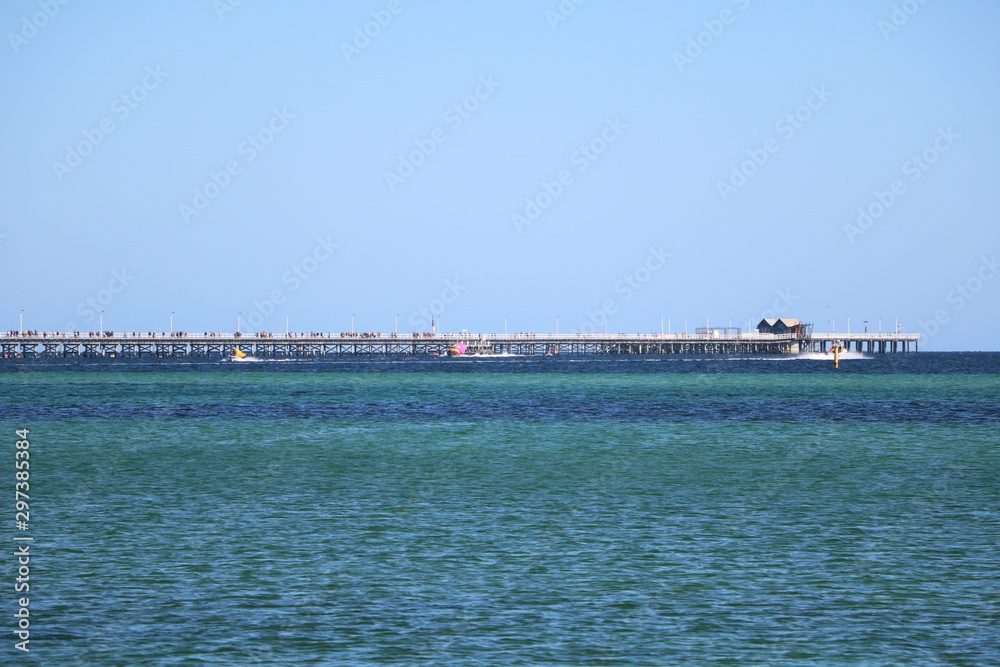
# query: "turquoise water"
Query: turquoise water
{"points": [[493, 518]]}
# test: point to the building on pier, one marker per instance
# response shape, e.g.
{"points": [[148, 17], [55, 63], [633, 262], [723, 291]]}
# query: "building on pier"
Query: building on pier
{"points": [[783, 326]]}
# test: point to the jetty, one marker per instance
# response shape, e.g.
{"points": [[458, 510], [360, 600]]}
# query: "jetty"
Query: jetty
{"points": [[35, 344]]}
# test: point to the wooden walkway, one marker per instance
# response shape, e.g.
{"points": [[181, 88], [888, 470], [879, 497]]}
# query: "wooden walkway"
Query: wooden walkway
{"points": [[119, 344]]}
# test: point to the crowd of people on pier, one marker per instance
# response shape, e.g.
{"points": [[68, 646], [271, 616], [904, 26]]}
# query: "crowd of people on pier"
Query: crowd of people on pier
{"points": [[363, 334], [32, 333]]}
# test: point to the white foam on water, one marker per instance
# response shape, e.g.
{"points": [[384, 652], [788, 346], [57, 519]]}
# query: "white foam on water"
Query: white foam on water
{"points": [[828, 356]]}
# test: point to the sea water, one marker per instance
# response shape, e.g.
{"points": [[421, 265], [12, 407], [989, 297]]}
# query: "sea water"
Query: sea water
{"points": [[616, 511]]}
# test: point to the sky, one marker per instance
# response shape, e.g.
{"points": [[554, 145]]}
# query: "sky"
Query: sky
{"points": [[576, 166]]}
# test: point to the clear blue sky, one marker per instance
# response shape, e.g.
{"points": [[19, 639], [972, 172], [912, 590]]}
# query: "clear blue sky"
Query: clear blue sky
{"points": [[687, 160]]}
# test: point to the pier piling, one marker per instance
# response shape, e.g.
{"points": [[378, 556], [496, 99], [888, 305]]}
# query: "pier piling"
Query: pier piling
{"points": [[14, 344]]}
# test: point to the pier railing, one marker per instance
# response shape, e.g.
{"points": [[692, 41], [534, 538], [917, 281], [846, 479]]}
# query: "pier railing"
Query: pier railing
{"points": [[448, 336], [294, 344], [865, 336]]}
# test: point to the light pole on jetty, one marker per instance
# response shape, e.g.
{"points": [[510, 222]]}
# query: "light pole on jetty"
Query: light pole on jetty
{"points": [[171, 323], [20, 323]]}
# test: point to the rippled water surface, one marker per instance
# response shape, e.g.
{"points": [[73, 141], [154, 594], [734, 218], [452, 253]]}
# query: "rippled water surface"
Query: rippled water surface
{"points": [[579, 512]]}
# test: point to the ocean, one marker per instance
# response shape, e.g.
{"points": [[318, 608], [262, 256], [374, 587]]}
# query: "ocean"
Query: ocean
{"points": [[515, 511]]}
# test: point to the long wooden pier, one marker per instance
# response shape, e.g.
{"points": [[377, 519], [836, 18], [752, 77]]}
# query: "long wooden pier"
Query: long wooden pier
{"points": [[294, 345]]}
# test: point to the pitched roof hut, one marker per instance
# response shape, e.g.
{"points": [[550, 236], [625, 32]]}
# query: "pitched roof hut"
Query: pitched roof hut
{"points": [[782, 325]]}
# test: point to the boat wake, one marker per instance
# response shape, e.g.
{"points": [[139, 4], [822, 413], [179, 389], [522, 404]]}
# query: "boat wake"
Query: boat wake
{"points": [[826, 356]]}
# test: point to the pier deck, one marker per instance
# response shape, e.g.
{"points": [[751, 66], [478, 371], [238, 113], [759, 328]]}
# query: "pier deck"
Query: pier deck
{"points": [[294, 345]]}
